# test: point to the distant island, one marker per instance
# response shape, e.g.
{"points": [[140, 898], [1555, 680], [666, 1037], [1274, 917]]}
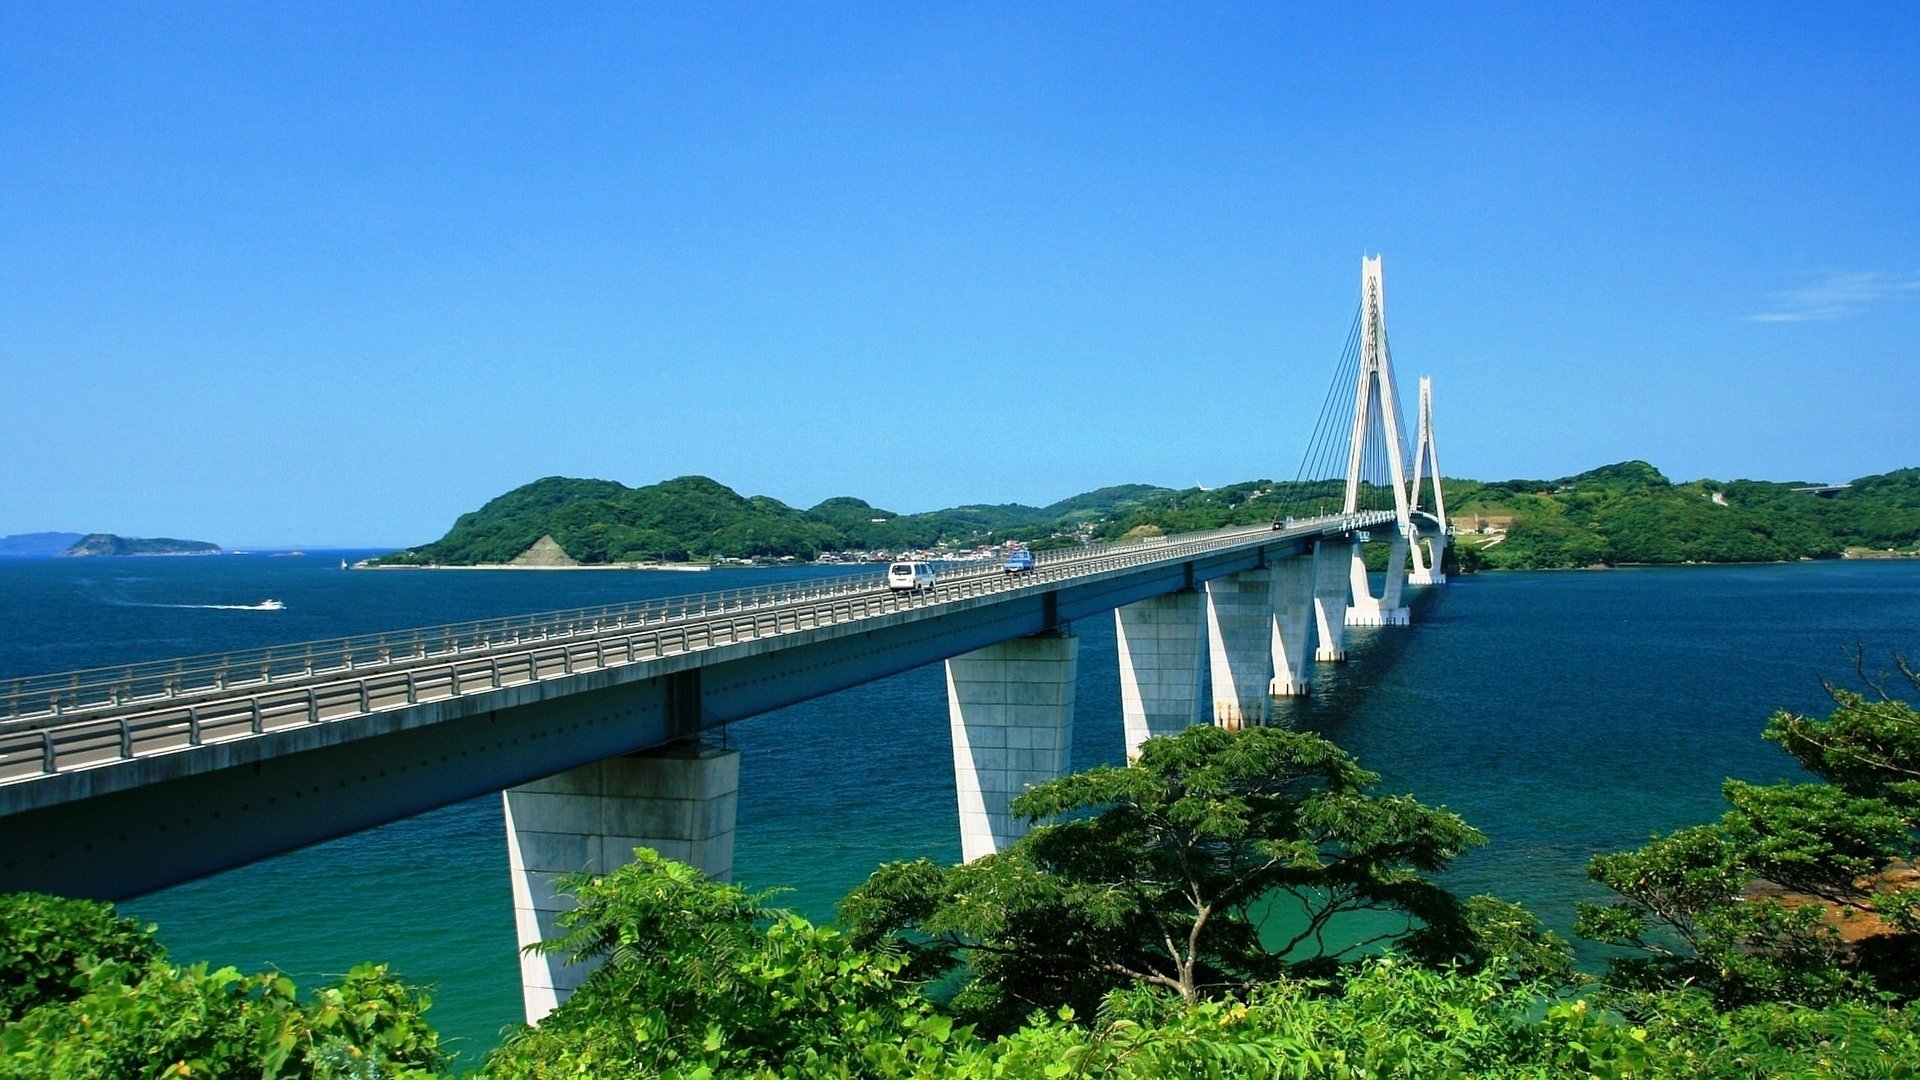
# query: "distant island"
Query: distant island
{"points": [[109, 544], [1628, 513], [40, 545]]}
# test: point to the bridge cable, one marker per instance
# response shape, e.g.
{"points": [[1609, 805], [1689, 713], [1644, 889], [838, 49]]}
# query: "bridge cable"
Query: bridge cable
{"points": [[1315, 482]]}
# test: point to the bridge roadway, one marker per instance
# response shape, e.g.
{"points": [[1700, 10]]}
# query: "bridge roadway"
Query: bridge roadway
{"points": [[122, 780]]}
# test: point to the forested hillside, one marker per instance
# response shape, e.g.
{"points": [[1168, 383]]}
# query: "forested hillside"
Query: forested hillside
{"points": [[694, 518], [1630, 513], [1624, 513]]}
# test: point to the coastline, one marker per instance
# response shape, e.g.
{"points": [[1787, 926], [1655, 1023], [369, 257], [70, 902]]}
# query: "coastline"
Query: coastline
{"points": [[678, 567], [1850, 556]]}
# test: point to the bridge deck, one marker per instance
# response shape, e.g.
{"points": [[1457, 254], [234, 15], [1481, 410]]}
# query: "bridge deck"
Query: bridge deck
{"points": [[60, 724]]}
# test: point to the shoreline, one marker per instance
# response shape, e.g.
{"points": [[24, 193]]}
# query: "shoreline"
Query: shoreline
{"points": [[676, 567], [1878, 556]]}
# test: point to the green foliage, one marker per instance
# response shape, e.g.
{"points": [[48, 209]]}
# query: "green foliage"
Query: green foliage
{"points": [[159, 1020], [1869, 745], [700, 978], [91, 995], [1217, 861], [46, 941], [1751, 908]]}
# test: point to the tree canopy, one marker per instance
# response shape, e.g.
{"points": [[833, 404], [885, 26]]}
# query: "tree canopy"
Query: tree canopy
{"points": [[1216, 862], [89, 995], [1802, 893]]}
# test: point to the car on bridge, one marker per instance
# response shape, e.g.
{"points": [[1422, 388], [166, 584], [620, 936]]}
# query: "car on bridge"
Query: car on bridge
{"points": [[1018, 562], [910, 577]]}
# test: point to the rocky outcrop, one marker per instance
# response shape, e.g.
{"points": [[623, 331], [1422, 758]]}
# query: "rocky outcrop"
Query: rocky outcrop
{"points": [[545, 551]]}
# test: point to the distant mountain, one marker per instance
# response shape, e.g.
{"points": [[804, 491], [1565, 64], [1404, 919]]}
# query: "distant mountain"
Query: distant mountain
{"points": [[1630, 513], [40, 545], [109, 544], [1623, 513], [693, 517]]}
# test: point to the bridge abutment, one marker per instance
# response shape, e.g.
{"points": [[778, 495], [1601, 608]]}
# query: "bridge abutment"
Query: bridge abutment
{"points": [[1162, 647], [679, 799], [1240, 647], [1011, 708], [1293, 607]]}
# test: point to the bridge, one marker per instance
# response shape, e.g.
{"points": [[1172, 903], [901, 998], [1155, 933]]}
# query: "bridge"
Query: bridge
{"points": [[115, 782]]}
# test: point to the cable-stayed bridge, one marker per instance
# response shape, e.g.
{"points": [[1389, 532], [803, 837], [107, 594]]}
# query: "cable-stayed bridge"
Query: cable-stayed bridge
{"points": [[122, 780]]}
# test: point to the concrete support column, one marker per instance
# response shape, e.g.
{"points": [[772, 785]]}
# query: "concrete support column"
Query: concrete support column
{"points": [[1394, 588], [679, 800], [1331, 589], [1417, 562], [1011, 706], [1240, 647], [1386, 610], [1161, 650], [1427, 571], [1293, 587]]}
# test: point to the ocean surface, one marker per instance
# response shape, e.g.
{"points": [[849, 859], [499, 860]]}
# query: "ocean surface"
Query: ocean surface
{"points": [[1564, 714]]}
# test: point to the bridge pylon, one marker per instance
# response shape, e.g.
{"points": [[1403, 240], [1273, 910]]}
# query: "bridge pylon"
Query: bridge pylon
{"points": [[1376, 407], [1426, 461]]}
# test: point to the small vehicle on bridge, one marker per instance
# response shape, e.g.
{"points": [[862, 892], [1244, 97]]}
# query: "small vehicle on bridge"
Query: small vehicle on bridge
{"points": [[910, 577], [1018, 562]]}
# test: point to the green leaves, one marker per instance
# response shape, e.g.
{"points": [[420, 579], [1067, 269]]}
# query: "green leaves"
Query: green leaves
{"points": [[702, 978], [1797, 893], [1215, 861], [156, 1019], [1866, 745], [46, 941]]}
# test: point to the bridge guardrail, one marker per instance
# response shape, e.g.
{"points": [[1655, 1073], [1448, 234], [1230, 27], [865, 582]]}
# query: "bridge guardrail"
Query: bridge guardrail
{"points": [[131, 684], [122, 684], [39, 748]]}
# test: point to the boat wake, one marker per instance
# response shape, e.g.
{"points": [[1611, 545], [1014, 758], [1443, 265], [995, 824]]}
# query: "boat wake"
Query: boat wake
{"points": [[264, 605]]}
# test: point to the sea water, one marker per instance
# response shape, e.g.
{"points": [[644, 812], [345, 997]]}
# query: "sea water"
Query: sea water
{"points": [[1564, 714]]}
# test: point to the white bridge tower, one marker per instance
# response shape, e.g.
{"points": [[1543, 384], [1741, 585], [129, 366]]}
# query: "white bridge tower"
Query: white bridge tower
{"points": [[1377, 406], [1426, 461]]}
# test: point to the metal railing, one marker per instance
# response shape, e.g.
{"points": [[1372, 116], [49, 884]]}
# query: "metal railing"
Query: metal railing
{"points": [[124, 712]]}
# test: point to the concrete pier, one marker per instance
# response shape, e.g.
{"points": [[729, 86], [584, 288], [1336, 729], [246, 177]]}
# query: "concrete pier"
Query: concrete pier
{"points": [[1240, 647], [1292, 623], [1331, 590], [1011, 707], [1162, 650], [679, 799], [1387, 609], [1426, 565]]}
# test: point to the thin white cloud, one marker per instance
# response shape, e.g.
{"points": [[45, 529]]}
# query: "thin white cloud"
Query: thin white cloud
{"points": [[1837, 296]]}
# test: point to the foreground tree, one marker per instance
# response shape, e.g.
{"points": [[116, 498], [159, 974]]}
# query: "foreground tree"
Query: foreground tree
{"points": [[91, 995], [1801, 892], [1216, 861], [701, 978]]}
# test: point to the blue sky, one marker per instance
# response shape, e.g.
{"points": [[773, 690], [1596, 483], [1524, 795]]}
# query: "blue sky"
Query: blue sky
{"points": [[324, 274]]}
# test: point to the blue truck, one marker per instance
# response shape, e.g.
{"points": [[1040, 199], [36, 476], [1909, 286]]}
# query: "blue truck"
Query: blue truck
{"points": [[1018, 562]]}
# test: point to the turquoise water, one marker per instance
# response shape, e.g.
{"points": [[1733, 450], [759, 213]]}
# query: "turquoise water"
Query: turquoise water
{"points": [[1563, 713]]}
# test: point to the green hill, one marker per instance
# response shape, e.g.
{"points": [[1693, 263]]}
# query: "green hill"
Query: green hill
{"points": [[1624, 513], [695, 518], [109, 544], [1630, 513]]}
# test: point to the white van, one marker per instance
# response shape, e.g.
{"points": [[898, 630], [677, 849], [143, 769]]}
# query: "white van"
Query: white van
{"points": [[902, 576]]}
